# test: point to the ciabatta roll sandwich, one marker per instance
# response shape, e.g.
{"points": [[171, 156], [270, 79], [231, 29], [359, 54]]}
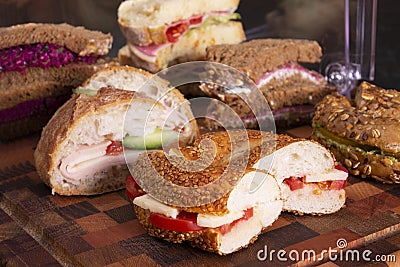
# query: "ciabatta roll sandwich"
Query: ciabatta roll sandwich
{"points": [[85, 147], [363, 132], [39, 65], [276, 66], [216, 208], [162, 33]]}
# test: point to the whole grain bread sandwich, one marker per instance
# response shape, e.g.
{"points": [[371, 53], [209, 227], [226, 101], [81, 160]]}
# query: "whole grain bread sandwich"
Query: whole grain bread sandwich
{"points": [[274, 65], [362, 132], [85, 147], [39, 65], [162, 33]]}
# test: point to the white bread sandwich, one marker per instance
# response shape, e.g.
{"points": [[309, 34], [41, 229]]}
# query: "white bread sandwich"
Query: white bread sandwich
{"points": [[363, 132], [85, 147], [162, 33], [39, 65], [310, 179], [277, 68], [217, 208]]}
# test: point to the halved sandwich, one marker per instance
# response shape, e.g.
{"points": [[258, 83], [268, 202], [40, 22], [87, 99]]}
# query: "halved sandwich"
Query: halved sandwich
{"points": [[310, 179], [211, 209], [39, 66], [277, 68], [162, 33], [85, 147]]}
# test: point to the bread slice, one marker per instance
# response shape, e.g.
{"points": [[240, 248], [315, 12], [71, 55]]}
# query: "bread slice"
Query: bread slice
{"points": [[82, 41], [313, 163], [86, 124], [258, 56], [220, 201], [362, 132], [145, 22], [192, 46]]}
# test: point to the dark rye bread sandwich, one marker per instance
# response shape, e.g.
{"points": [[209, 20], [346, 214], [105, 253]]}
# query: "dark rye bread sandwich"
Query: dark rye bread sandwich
{"points": [[39, 65], [85, 147], [219, 195], [290, 89], [163, 33], [362, 132]]}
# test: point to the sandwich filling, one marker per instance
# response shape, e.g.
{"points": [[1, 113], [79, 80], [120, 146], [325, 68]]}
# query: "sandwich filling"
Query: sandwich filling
{"points": [[248, 212], [89, 159], [41, 55], [177, 29], [290, 71]]}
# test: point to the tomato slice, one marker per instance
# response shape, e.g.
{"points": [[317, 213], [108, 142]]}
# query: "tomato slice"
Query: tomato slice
{"points": [[338, 184], [226, 228], [114, 149], [185, 222], [133, 190], [341, 168], [196, 20], [174, 32], [294, 182]]}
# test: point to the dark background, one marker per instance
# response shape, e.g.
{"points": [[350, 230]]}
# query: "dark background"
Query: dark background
{"points": [[321, 20]]}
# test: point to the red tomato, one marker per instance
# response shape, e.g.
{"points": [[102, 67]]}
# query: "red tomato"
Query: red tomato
{"points": [[114, 149], [133, 190], [196, 20], [185, 222], [226, 228], [294, 182], [174, 32], [338, 184], [341, 168]]}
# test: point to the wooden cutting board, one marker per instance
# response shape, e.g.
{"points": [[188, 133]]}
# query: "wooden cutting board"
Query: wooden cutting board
{"points": [[37, 228]]}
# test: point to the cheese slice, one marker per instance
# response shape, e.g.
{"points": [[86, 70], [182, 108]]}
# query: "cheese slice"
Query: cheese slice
{"points": [[331, 175], [149, 203]]}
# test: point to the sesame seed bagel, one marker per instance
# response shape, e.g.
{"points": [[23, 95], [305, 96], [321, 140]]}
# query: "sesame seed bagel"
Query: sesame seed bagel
{"points": [[362, 133], [209, 179]]}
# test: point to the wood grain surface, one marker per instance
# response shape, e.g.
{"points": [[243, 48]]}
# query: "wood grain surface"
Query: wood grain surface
{"points": [[41, 229]]}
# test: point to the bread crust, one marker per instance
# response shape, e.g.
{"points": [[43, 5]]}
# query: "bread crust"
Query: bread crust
{"points": [[57, 129], [369, 123], [82, 41], [255, 57], [38, 83]]}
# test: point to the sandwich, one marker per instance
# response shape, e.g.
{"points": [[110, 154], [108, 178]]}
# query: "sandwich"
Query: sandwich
{"points": [[162, 33], [310, 179], [215, 208], [39, 65], [226, 188], [85, 147], [363, 132], [274, 65]]}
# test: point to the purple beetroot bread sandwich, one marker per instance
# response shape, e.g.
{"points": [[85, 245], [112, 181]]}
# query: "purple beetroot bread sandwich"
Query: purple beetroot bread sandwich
{"points": [[290, 89], [39, 65]]}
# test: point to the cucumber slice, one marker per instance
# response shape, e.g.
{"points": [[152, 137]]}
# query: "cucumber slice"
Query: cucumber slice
{"points": [[151, 141], [88, 92]]}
